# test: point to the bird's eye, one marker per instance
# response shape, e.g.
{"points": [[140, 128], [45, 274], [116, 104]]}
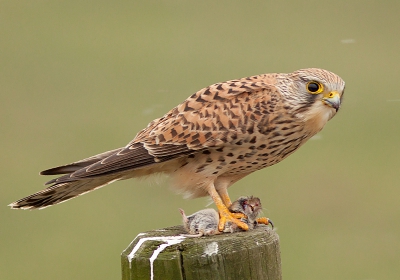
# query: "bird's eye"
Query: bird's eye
{"points": [[314, 87]]}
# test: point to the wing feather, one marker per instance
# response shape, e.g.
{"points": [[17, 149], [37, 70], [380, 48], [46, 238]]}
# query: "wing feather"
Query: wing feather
{"points": [[72, 167], [212, 114], [208, 119]]}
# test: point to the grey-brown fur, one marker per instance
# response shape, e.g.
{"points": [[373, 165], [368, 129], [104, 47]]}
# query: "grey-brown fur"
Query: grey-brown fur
{"points": [[205, 222]]}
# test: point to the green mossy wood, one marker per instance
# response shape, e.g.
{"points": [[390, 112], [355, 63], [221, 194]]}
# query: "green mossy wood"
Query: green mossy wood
{"points": [[163, 254]]}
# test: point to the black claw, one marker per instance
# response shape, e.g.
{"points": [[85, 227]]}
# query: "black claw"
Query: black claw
{"points": [[271, 223]]}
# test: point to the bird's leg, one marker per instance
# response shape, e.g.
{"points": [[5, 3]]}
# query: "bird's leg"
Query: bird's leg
{"points": [[224, 214], [223, 193]]}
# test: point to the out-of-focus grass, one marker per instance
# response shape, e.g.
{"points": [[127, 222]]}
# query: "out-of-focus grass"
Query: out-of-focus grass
{"points": [[78, 78]]}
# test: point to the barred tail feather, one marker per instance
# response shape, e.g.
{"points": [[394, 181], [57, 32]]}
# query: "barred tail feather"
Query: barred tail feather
{"points": [[62, 192]]}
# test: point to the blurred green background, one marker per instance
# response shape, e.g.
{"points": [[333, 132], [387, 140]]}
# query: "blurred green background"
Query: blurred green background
{"points": [[81, 77]]}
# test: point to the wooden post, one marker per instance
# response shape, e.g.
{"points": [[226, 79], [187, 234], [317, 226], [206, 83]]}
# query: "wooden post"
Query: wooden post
{"points": [[164, 254]]}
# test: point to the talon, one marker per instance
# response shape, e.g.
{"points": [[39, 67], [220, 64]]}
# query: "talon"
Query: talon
{"points": [[265, 221], [226, 216], [238, 215]]}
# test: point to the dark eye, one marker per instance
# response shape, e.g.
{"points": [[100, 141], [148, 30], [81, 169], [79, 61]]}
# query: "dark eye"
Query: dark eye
{"points": [[314, 87]]}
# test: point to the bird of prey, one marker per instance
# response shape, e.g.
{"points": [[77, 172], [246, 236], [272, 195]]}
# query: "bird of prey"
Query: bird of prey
{"points": [[217, 136]]}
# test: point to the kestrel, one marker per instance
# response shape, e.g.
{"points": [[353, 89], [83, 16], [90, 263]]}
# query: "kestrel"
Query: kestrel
{"points": [[217, 136]]}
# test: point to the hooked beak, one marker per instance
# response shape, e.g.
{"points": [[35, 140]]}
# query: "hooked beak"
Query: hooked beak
{"points": [[332, 99]]}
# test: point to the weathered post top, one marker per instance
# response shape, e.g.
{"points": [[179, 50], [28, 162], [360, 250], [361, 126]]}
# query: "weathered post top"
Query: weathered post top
{"points": [[164, 254]]}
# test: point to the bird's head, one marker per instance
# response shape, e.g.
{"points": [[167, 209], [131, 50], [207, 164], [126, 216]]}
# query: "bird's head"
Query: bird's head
{"points": [[314, 94]]}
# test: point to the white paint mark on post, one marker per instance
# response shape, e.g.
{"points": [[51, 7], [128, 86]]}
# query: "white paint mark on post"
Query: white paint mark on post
{"points": [[140, 234], [170, 240], [211, 248]]}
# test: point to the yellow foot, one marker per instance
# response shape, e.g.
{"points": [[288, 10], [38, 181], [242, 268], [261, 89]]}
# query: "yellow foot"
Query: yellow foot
{"points": [[265, 221], [226, 216], [238, 215]]}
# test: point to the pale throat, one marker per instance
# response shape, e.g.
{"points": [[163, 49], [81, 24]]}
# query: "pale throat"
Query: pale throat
{"points": [[316, 117]]}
